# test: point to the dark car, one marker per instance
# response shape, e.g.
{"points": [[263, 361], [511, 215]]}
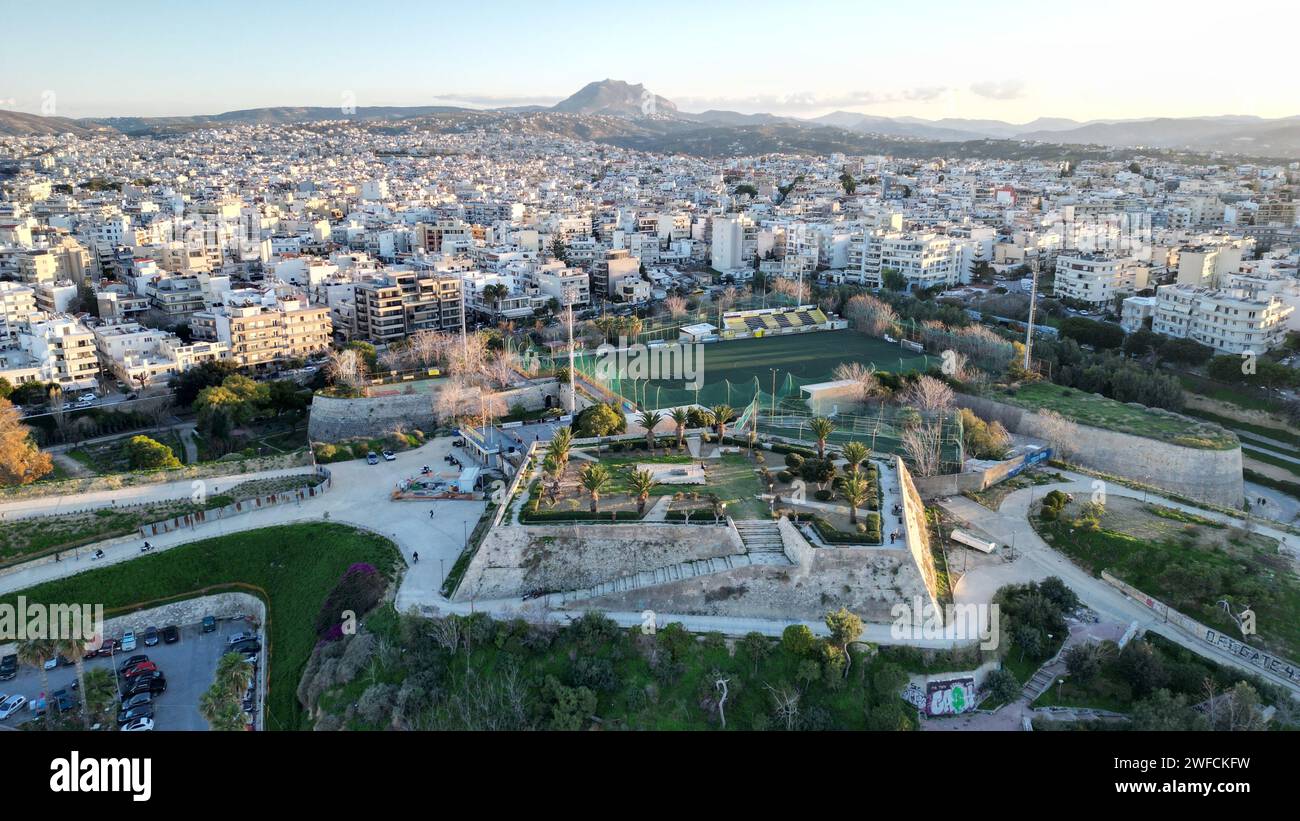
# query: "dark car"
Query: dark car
{"points": [[246, 646], [106, 648], [143, 711], [154, 683], [151, 637], [131, 662], [8, 666], [64, 701], [136, 699], [170, 634], [209, 624]]}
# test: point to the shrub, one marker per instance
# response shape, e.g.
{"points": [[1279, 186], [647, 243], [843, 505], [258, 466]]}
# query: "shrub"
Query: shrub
{"points": [[793, 461], [785, 476]]}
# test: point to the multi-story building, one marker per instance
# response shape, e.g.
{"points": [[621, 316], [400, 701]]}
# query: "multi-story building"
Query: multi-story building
{"points": [[1230, 321], [141, 356], [1097, 279], [1136, 313], [62, 350], [567, 286], [924, 259], [260, 334], [17, 305], [398, 304]]}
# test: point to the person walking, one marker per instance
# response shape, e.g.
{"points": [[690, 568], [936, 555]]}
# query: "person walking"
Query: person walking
{"points": [[415, 557]]}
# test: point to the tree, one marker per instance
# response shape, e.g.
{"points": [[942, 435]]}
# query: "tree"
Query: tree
{"points": [[99, 695], [594, 479], [855, 453], [1236, 710], [676, 307], [36, 652], [366, 351], [1001, 685], [680, 417], [864, 375], [599, 420], [844, 627], [1163, 711], [1142, 668], [144, 453], [798, 640], [650, 420], [74, 650], [848, 183], [221, 703], [929, 394], [722, 414], [21, 462], [893, 280], [188, 383], [856, 489], [757, 646], [1084, 661], [6, 388], [1061, 434], [821, 429], [558, 250], [641, 483], [923, 446], [1100, 335]]}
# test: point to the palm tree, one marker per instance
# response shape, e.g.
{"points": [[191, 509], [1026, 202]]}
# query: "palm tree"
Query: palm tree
{"points": [[551, 471], [680, 417], [650, 420], [641, 483], [495, 293], [721, 416], [856, 453], [595, 478], [232, 675], [75, 651], [856, 489], [99, 693], [36, 652], [821, 428], [222, 712], [561, 444]]}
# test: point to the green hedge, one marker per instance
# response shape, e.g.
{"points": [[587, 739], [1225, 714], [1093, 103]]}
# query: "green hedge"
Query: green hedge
{"points": [[832, 535], [699, 516], [531, 516]]}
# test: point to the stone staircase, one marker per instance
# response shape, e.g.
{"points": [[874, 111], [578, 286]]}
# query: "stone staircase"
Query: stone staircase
{"points": [[762, 540], [1042, 679]]}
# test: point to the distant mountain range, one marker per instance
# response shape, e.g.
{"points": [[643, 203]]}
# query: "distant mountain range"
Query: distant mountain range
{"points": [[623, 113]]}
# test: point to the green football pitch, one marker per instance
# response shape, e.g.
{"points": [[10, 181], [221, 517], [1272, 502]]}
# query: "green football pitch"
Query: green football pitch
{"points": [[734, 371]]}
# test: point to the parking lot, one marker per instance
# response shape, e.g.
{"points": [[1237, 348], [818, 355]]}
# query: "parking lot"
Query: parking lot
{"points": [[189, 665]]}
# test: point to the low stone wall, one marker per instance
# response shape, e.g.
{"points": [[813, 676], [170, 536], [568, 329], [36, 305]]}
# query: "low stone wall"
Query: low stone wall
{"points": [[968, 481], [917, 531], [1212, 476], [240, 507], [116, 481]]}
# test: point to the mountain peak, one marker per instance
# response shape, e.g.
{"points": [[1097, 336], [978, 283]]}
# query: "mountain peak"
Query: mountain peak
{"points": [[616, 98]]}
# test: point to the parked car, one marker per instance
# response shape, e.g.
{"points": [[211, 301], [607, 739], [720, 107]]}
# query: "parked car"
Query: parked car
{"points": [[52, 663], [133, 701], [8, 666], [389, 456], [171, 634], [64, 701], [106, 648], [137, 725], [137, 669], [11, 705], [131, 662], [372, 458], [128, 641], [246, 647], [236, 638], [154, 683], [209, 624], [127, 716], [151, 637]]}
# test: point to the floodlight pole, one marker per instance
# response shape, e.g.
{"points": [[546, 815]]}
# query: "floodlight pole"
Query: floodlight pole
{"points": [[1029, 326], [573, 379]]}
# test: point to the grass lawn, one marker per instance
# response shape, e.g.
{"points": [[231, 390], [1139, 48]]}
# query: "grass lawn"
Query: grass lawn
{"points": [[992, 497], [292, 567], [747, 364], [1275, 461], [1100, 412], [734, 481], [1189, 563], [1266, 431], [1234, 396]]}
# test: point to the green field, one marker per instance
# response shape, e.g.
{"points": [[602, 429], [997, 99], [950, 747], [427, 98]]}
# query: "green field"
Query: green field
{"points": [[733, 372], [1100, 412]]}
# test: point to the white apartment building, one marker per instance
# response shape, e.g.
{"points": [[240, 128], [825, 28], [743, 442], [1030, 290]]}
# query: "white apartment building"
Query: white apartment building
{"points": [[567, 286], [924, 259], [1135, 313], [141, 356], [62, 350], [1231, 322], [17, 305], [1202, 266], [1097, 278]]}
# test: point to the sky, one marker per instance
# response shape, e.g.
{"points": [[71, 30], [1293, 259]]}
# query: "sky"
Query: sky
{"points": [[1011, 60]]}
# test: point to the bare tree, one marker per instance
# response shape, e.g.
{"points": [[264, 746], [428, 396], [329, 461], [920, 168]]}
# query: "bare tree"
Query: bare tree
{"points": [[721, 684], [922, 445], [864, 375], [455, 400], [1061, 434], [870, 315], [676, 307], [929, 394], [785, 704], [346, 368]]}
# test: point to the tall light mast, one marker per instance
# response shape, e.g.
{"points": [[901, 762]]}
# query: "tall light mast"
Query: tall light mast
{"points": [[1029, 329], [573, 377]]}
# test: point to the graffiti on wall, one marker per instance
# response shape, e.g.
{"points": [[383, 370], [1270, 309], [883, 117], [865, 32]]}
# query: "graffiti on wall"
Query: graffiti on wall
{"points": [[944, 698]]}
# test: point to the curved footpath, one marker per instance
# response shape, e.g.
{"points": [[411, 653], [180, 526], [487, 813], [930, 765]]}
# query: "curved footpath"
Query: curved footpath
{"points": [[1009, 525]]}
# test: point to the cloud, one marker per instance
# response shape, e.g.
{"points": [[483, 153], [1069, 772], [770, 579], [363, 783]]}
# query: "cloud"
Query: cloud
{"points": [[999, 89], [801, 101]]}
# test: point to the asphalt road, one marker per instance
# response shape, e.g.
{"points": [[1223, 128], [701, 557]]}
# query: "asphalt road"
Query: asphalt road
{"points": [[189, 665]]}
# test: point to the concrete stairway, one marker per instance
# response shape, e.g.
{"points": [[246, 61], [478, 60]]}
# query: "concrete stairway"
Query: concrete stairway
{"points": [[762, 539], [660, 575]]}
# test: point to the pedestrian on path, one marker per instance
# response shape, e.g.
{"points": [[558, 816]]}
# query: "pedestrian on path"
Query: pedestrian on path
{"points": [[415, 557]]}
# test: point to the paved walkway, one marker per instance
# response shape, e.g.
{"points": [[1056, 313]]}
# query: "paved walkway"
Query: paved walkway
{"points": [[1036, 560]]}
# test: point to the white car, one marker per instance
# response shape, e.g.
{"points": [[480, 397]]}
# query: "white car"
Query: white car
{"points": [[11, 705], [137, 725], [128, 640]]}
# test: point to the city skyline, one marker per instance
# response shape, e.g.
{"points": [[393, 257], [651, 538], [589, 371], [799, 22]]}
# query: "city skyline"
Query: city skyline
{"points": [[943, 61]]}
